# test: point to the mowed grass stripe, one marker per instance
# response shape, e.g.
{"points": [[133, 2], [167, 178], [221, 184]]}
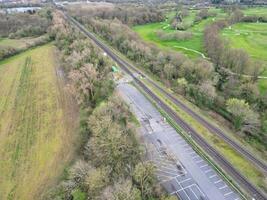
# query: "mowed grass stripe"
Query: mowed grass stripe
{"points": [[34, 124]]}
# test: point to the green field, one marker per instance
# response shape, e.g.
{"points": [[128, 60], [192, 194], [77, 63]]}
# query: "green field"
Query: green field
{"points": [[37, 123], [260, 11], [192, 47], [18, 43], [251, 37]]}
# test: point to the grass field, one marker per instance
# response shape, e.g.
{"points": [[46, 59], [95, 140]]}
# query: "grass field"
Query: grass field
{"points": [[260, 11], [192, 47], [18, 43], [251, 37], [37, 124]]}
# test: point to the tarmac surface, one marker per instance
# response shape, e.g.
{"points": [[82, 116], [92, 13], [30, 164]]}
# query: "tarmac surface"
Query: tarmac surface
{"points": [[180, 170]]}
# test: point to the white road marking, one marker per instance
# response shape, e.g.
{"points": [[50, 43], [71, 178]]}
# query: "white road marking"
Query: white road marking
{"points": [[220, 180], [223, 187], [185, 180], [204, 165], [200, 161], [183, 188], [228, 193], [193, 192], [209, 170], [213, 176]]}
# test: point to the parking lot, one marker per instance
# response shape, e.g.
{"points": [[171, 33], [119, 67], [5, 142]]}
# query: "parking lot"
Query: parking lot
{"points": [[180, 170]]}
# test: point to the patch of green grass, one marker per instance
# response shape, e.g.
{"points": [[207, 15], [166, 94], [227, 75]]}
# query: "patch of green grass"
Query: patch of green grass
{"points": [[18, 43], [252, 37], [259, 11], [35, 124], [78, 195], [188, 47]]}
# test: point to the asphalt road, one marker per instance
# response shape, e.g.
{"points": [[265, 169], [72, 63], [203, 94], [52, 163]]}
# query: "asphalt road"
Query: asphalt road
{"points": [[180, 170], [240, 179]]}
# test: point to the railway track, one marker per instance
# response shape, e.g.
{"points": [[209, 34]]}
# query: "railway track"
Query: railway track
{"points": [[246, 154], [240, 179]]}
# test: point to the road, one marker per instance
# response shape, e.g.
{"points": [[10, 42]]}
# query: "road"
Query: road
{"points": [[223, 163], [180, 170]]}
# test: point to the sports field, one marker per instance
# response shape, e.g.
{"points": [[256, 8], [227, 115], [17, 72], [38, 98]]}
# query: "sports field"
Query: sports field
{"points": [[37, 124], [192, 47]]}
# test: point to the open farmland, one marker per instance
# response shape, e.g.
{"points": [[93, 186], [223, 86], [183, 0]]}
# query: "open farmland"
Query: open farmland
{"points": [[37, 124], [192, 47]]}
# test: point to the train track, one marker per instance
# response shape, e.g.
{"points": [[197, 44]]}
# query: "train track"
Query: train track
{"points": [[240, 179]]}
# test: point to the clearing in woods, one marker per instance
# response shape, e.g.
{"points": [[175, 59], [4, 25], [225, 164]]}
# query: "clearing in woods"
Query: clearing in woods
{"points": [[38, 122]]}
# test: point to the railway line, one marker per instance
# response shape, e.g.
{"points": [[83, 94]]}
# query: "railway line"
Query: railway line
{"points": [[223, 163]]}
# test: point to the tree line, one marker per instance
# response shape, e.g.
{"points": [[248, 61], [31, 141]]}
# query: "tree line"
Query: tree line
{"points": [[6, 52], [178, 22], [131, 15], [241, 95], [111, 162], [19, 25]]}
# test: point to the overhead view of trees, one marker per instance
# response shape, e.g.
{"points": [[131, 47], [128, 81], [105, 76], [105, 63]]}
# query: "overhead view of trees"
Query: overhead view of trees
{"points": [[111, 164], [131, 15], [174, 36], [109, 160], [19, 25], [209, 84]]}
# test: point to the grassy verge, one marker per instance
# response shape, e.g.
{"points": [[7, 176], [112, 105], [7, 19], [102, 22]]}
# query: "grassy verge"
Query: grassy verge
{"points": [[241, 164], [37, 123]]}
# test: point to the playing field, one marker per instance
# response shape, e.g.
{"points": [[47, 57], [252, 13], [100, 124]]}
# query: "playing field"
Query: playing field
{"points": [[192, 47], [38, 121]]}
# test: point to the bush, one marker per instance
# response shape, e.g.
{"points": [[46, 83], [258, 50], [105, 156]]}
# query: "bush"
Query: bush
{"points": [[174, 36], [263, 19], [78, 195], [250, 19]]}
